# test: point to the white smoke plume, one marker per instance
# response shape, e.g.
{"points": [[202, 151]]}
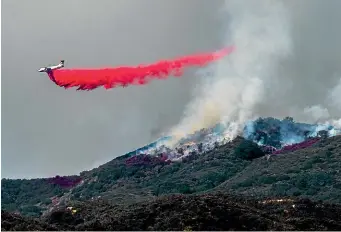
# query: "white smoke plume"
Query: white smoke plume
{"points": [[260, 32], [316, 114], [334, 97], [320, 114]]}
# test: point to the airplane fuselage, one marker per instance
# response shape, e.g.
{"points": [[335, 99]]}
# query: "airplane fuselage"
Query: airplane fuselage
{"points": [[50, 68]]}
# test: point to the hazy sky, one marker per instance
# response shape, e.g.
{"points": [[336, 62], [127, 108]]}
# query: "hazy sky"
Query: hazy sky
{"points": [[47, 130]]}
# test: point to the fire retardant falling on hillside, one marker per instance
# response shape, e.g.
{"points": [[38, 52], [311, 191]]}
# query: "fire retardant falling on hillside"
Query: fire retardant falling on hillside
{"points": [[89, 79]]}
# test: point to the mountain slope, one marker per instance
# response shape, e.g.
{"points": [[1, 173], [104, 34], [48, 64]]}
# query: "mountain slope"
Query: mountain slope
{"points": [[125, 184], [312, 172], [120, 182]]}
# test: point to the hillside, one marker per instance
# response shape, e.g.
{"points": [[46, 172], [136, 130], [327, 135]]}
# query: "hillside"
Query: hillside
{"points": [[216, 211], [123, 183], [311, 172]]}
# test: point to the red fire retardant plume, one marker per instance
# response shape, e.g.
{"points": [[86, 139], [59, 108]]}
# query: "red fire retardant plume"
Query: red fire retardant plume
{"points": [[88, 79]]}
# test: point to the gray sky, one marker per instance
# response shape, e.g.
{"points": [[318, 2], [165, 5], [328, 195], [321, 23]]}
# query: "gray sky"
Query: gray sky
{"points": [[47, 130], [314, 67]]}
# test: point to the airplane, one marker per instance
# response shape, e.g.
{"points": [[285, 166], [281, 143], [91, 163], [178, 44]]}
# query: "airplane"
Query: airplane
{"points": [[50, 68]]}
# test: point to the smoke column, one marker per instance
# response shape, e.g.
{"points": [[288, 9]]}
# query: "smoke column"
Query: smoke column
{"points": [[88, 79], [334, 97], [321, 114], [261, 33]]}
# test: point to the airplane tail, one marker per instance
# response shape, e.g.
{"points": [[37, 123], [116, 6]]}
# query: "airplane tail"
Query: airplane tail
{"points": [[62, 62]]}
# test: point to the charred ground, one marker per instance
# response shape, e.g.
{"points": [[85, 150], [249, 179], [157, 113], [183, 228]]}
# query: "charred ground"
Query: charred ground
{"points": [[215, 211]]}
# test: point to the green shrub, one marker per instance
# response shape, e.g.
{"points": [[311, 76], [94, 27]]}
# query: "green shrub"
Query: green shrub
{"points": [[185, 189], [246, 183], [267, 179], [248, 150]]}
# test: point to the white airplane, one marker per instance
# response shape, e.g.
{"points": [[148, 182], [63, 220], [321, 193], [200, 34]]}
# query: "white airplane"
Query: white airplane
{"points": [[50, 68]]}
